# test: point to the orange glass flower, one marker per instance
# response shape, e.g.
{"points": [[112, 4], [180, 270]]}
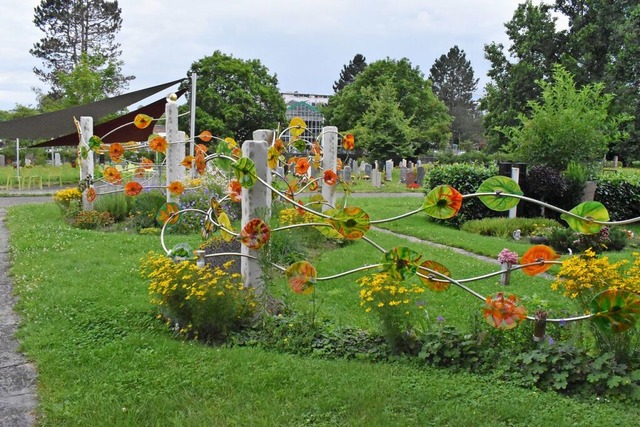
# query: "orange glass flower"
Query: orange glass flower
{"points": [[255, 234], [301, 277], [503, 311], [116, 151], [146, 162], [142, 121], [348, 142], [158, 143], [200, 163], [187, 161], [132, 188], [302, 166], [338, 165], [234, 190], [91, 194], [140, 172], [205, 136], [201, 148], [279, 146], [176, 188], [537, 254], [112, 175], [330, 177]]}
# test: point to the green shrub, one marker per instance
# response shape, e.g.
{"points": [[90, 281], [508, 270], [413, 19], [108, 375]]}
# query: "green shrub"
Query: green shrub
{"points": [[576, 178], [620, 194], [144, 209], [505, 227], [466, 178], [608, 239], [547, 185], [116, 204]]}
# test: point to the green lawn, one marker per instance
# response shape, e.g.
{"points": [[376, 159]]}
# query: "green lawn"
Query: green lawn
{"points": [[103, 359]]}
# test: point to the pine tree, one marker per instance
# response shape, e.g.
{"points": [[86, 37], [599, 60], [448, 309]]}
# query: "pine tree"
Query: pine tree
{"points": [[454, 83], [350, 71], [73, 28]]}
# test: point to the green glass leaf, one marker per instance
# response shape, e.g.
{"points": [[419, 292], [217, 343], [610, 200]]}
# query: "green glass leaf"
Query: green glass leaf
{"points": [[165, 212], [615, 310], [401, 262], [351, 222], [181, 252], [442, 202], [84, 153], [223, 148], [245, 171], [95, 142], [434, 285], [592, 211], [327, 231], [501, 185]]}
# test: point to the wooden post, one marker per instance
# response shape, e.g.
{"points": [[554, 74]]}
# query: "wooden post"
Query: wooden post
{"points": [[175, 151], [329, 162], [86, 165], [256, 202]]}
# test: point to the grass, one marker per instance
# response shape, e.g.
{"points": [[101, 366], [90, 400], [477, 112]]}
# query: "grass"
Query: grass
{"points": [[103, 359], [48, 174]]}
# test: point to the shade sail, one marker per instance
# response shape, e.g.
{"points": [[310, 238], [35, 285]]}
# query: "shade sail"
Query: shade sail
{"points": [[122, 134], [56, 123]]}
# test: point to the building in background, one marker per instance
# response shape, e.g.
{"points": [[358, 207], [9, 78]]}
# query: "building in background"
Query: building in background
{"points": [[306, 106]]}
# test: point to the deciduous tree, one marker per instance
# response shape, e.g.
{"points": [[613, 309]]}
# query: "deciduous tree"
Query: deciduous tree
{"points": [[236, 97]]}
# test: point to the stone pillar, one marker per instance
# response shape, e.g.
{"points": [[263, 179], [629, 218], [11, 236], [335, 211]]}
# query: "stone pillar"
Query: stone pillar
{"points": [[329, 162], [515, 175], [175, 151], [256, 202], [86, 165]]}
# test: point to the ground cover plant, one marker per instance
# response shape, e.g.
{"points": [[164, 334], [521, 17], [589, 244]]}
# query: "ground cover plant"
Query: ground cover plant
{"points": [[103, 358]]}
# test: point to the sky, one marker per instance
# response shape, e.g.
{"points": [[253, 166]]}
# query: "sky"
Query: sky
{"points": [[305, 43]]}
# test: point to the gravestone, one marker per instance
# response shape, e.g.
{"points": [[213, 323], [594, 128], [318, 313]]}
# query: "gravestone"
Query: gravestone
{"points": [[2, 162], [367, 169], [403, 174], [280, 171], [388, 169], [404, 162], [419, 163], [375, 165], [410, 165], [420, 177], [347, 174], [56, 159], [411, 177], [376, 178]]}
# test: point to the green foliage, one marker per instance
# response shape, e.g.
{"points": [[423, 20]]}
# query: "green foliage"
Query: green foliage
{"points": [[413, 94], [74, 29], [350, 71], [454, 83], [576, 176], [92, 79], [145, 207], [235, 97], [547, 184], [608, 239], [384, 131], [620, 194], [117, 204], [563, 119], [466, 178], [505, 227]]}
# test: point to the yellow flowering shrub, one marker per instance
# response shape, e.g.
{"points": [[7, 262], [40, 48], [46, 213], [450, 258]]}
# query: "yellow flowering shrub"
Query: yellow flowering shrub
{"points": [[292, 216], [65, 197], [396, 302], [583, 276], [200, 302]]}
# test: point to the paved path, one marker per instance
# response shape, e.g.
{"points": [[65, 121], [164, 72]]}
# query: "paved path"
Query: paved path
{"points": [[17, 376]]}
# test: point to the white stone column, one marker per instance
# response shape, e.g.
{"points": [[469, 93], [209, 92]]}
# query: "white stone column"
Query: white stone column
{"points": [[329, 162], [515, 175], [86, 165], [175, 151], [256, 202]]}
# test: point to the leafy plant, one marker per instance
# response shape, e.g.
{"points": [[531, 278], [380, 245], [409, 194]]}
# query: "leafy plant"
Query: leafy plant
{"points": [[116, 204], [505, 227]]}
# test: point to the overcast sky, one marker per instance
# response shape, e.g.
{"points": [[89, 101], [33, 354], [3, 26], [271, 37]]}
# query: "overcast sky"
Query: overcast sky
{"points": [[304, 42]]}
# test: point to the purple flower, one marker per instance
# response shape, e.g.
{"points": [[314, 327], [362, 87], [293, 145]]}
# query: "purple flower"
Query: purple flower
{"points": [[440, 319], [550, 341], [507, 256]]}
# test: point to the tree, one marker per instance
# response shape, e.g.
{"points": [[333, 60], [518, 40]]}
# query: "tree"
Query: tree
{"points": [[427, 115], [535, 47], [568, 124], [73, 28], [384, 131], [454, 83], [350, 71], [235, 97]]}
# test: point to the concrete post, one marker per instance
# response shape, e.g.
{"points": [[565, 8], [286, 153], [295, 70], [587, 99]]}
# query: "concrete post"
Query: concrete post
{"points": [[86, 165], [329, 162], [515, 175], [175, 151], [256, 202]]}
